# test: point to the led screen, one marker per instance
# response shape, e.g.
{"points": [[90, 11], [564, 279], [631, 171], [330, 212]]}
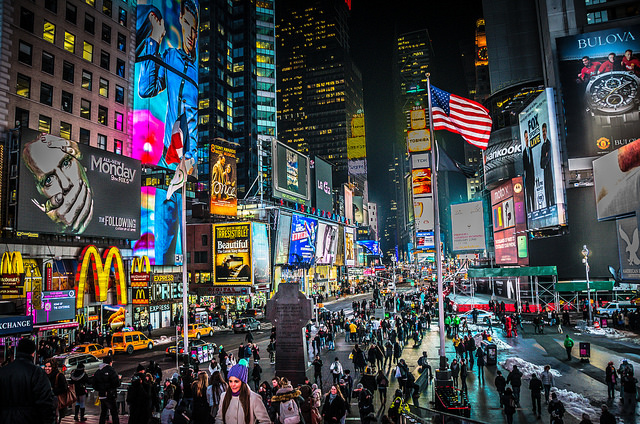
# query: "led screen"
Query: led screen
{"points": [[303, 239]]}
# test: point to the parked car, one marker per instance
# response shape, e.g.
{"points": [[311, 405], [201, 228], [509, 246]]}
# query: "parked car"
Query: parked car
{"points": [[198, 330], [242, 325], [94, 349], [610, 308], [128, 341], [254, 313], [483, 317], [68, 362], [171, 350]]}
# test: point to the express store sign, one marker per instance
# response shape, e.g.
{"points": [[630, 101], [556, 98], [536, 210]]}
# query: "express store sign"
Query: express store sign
{"points": [[166, 287]]}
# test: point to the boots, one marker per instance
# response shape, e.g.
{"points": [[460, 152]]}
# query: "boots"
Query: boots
{"points": [[82, 418], [75, 417]]}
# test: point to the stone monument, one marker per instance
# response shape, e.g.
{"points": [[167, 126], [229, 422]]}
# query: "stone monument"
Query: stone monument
{"points": [[289, 311]]}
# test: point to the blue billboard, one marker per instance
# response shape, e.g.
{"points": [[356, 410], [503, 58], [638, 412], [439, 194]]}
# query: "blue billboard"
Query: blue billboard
{"points": [[302, 249], [371, 247]]}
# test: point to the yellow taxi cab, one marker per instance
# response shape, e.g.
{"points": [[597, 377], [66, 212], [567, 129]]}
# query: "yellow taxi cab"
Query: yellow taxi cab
{"points": [[199, 330], [128, 341], [94, 349]]}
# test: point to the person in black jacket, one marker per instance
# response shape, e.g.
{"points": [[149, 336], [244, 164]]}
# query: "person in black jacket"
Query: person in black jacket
{"points": [[535, 386], [500, 384], [79, 378], [25, 391], [139, 397], [106, 382], [515, 378], [334, 406], [58, 385]]}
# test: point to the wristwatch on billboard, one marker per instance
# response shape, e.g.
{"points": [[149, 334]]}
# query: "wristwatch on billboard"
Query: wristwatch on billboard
{"points": [[614, 95]]}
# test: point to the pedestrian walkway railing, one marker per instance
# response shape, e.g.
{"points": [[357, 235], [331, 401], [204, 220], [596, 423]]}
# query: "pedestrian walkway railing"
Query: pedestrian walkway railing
{"points": [[418, 414]]}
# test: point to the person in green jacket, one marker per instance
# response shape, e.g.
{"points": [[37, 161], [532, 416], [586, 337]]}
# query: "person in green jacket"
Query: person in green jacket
{"points": [[447, 324], [568, 345], [456, 324]]}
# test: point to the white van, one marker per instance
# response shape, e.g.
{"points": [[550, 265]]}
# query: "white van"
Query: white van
{"points": [[612, 307], [391, 286]]}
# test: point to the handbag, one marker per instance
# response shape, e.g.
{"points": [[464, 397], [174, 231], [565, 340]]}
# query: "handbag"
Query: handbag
{"points": [[67, 399], [316, 418]]}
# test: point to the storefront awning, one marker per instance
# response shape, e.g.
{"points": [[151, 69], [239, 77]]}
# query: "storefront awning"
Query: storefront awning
{"points": [[513, 272]]}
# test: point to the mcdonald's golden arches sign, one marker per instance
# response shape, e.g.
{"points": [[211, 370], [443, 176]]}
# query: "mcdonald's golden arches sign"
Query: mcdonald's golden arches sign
{"points": [[100, 268]]}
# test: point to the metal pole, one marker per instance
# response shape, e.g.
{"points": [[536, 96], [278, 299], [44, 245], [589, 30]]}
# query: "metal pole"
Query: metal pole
{"points": [[436, 226], [185, 283]]}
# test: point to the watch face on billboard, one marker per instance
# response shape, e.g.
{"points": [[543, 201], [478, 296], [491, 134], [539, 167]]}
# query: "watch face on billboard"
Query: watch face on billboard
{"points": [[74, 189], [600, 77], [290, 174], [302, 248], [232, 253], [222, 162], [327, 243]]}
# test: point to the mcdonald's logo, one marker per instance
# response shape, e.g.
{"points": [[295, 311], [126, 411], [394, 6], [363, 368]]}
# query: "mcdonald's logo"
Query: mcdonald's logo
{"points": [[11, 263], [141, 264], [100, 269], [141, 296]]}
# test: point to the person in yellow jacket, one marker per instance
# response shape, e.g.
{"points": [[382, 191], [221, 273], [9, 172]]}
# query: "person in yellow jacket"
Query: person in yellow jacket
{"points": [[352, 331]]}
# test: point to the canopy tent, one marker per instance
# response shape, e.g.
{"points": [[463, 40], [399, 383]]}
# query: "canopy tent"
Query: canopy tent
{"points": [[526, 271]]}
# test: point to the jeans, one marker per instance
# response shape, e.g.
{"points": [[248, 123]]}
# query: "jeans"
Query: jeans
{"points": [[611, 389], [535, 399], [481, 374], [516, 394], [547, 390], [108, 405], [331, 345]]}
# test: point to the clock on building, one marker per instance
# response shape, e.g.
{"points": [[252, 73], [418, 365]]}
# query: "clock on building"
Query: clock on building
{"points": [[482, 53]]}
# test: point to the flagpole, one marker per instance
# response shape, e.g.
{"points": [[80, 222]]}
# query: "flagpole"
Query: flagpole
{"points": [[436, 227], [185, 282]]}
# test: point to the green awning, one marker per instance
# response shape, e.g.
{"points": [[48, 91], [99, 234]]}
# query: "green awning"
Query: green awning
{"points": [[575, 286], [513, 272]]}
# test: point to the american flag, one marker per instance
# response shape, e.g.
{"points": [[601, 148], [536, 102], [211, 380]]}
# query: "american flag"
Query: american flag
{"points": [[462, 116]]}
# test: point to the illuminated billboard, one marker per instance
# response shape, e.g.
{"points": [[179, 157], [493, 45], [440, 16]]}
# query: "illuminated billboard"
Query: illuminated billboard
{"points": [[503, 158], [425, 240], [543, 184], [224, 177], [323, 185], [282, 239], [628, 247], [260, 253], [358, 209], [600, 89], [232, 253], [370, 247], [418, 141], [467, 226], [509, 223], [421, 181], [348, 203], [56, 306], [290, 174], [75, 189], [358, 167], [160, 237], [356, 147], [302, 247], [423, 212], [418, 119], [327, 243], [349, 246]]}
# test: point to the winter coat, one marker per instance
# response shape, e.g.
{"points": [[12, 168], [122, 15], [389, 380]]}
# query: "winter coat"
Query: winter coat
{"points": [[500, 383], [106, 381], [79, 378], [235, 413], [332, 412], [368, 381], [139, 399], [515, 378], [168, 413], [455, 370], [25, 393], [509, 404], [612, 375], [480, 356], [285, 394], [535, 385], [547, 378]]}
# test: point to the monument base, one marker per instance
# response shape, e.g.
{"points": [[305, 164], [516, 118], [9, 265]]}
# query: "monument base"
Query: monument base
{"points": [[443, 378]]}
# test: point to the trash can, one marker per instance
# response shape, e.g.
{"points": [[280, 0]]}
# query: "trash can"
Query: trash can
{"points": [[491, 350], [604, 323], [585, 351]]}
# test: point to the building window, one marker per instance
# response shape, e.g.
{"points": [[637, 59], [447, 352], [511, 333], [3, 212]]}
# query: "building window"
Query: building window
{"points": [[597, 17], [69, 42], [89, 24], [122, 17], [87, 80], [26, 19], [120, 68], [105, 59], [122, 42], [22, 118], [65, 130], [67, 102], [118, 122], [44, 124], [106, 33], [23, 86], [103, 90], [119, 94], [68, 69], [85, 109], [49, 32], [106, 7], [85, 136], [72, 13], [51, 5], [87, 52], [25, 53], [103, 114], [48, 63], [117, 147], [46, 94], [102, 141], [91, 3], [204, 240]]}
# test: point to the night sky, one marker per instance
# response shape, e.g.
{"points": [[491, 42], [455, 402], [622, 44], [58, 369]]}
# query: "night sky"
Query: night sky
{"points": [[374, 26]]}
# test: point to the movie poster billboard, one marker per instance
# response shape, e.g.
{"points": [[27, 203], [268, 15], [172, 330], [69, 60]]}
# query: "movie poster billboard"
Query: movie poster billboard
{"points": [[323, 185], [617, 181], [509, 223], [232, 253], [283, 239], [224, 178], [628, 247], [290, 174], [302, 248], [349, 246], [600, 77], [543, 184], [260, 253], [467, 226], [423, 212], [74, 189], [327, 243]]}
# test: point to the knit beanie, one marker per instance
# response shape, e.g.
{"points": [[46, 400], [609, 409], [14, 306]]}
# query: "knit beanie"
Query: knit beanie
{"points": [[240, 372]]}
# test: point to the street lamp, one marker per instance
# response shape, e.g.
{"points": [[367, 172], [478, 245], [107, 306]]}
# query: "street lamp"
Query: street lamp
{"points": [[585, 261]]}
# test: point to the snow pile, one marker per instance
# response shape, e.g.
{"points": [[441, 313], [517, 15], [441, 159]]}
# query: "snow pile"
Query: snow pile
{"points": [[609, 332], [501, 345], [576, 404], [526, 368]]}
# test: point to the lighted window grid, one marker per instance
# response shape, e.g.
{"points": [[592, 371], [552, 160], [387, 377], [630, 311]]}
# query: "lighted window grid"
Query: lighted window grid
{"points": [[87, 52], [49, 32], [65, 130], [69, 42], [44, 124], [104, 87]]}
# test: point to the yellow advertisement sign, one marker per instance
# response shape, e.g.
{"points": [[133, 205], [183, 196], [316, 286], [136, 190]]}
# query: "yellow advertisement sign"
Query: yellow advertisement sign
{"points": [[418, 141], [356, 147], [418, 119], [357, 126]]}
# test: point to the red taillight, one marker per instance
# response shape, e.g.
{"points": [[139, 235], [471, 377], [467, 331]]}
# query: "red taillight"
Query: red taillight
{"points": [[64, 368], [181, 350]]}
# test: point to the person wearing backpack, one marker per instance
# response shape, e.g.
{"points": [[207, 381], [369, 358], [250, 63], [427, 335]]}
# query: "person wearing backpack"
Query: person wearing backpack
{"points": [[556, 409], [382, 382], [336, 370], [568, 345], [510, 404], [286, 402]]}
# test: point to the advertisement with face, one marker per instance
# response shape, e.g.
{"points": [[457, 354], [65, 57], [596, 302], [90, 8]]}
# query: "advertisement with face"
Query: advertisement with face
{"points": [[222, 162], [542, 165], [327, 243], [160, 238], [260, 253], [629, 247], [600, 77], [617, 181], [423, 212], [467, 226], [290, 174], [232, 253], [349, 246], [348, 203], [510, 223], [324, 185], [302, 248], [283, 239], [71, 188]]}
